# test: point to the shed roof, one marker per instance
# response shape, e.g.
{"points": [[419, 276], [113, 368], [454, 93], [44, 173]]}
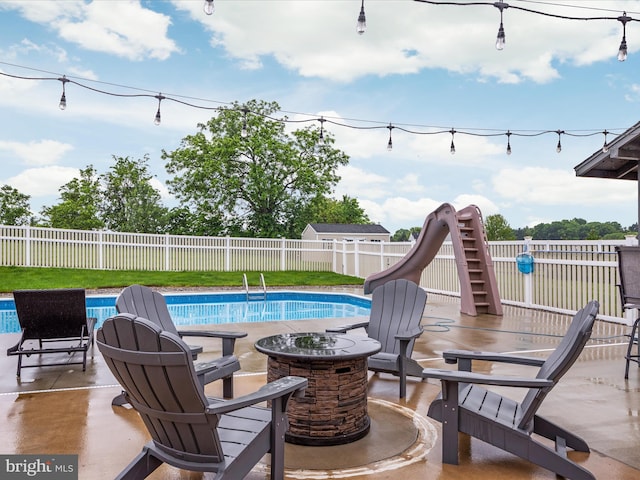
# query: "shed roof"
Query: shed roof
{"points": [[348, 228]]}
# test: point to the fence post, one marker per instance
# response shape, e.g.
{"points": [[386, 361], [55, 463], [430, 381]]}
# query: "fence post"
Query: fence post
{"points": [[344, 257], [528, 282], [334, 255], [227, 254], [356, 258], [100, 250], [27, 239], [283, 254], [382, 256], [167, 249]]}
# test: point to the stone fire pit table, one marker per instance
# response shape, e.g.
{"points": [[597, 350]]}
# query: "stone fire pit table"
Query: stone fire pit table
{"points": [[333, 410]]}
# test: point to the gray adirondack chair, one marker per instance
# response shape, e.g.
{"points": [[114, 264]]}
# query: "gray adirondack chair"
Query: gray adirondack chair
{"points": [[396, 311], [144, 302], [629, 288], [466, 407], [52, 321], [188, 430]]}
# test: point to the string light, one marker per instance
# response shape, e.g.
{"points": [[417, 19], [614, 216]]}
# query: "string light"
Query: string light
{"points": [[362, 20], [452, 149], [500, 39], [347, 123], [622, 51], [158, 119], [559, 146], [605, 145], [208, 7], [321, 136], [501, 5], [63, 98], [243, 132]]}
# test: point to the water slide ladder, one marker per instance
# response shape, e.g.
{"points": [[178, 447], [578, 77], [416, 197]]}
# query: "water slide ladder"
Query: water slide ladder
{"points": [[478, 287], [255, 295]]}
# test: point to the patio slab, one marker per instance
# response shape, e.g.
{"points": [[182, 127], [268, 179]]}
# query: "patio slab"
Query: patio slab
{"points": [[60, 410]]}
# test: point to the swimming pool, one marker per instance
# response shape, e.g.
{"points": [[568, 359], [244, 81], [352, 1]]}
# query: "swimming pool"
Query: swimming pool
{"points": [[224, 308]]}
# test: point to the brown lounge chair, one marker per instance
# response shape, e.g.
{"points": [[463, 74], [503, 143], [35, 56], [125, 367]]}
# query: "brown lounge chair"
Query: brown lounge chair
{"points": [[144, 302], [396, 312], [52, 321], [188, 430], [466, 407]]}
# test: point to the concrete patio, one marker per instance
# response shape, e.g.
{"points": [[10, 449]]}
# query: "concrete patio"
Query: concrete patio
{"points": [[61, 410]]}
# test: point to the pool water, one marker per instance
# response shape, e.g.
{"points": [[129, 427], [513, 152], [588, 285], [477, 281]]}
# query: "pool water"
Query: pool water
{"points": [[225, 308]]}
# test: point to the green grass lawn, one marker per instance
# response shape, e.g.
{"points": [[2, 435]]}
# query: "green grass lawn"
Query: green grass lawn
{"points": [[15, 278]]}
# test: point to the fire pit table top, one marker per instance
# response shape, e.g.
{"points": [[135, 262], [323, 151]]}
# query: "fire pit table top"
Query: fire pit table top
{"points": [[318, 346]]}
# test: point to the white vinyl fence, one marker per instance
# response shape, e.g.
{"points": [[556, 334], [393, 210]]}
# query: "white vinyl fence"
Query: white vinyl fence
{"points": [[567, 274]]}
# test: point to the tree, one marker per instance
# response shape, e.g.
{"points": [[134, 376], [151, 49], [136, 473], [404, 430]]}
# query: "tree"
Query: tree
{"points": [[14, 207], [330, 210], [129, 202], [254, 185], [79, 208], [497, 228]]}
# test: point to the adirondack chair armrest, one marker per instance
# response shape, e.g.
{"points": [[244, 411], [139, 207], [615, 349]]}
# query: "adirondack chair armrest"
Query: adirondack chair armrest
{"points": [[228, 338], [464, 358], [409, 334], [272, 390], [345, 328], [457, 376]]}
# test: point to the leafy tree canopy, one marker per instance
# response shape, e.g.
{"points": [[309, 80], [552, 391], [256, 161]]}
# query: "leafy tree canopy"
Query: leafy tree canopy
{"points": [[130, 203], [497, 228], [79, 207], [254, 185], [14, 207]]}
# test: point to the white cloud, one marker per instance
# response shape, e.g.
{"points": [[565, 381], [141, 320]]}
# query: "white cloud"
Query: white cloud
{"points": [[42, 152], [406, 37], [546, 186], [42, 182], [122, 28]]}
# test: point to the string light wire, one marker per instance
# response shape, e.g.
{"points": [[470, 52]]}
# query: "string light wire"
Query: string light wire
{"points": [[357, 124]]}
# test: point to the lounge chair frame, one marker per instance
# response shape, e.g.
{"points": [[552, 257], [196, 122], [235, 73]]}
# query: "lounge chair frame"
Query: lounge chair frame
{"points": [[52, 321]]}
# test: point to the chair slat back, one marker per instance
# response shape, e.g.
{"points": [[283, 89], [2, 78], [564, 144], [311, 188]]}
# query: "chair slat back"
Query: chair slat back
{"points": [[155, 369], [50, 314], [562, 358], [146, 303], [396, 306], [629, 272]]}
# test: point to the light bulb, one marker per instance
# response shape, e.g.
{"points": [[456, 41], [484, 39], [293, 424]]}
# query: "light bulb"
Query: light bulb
{"points": [[389, 144], [362, 21], [157, 120], [500, 39], [558, 147], [508, 149], [453, 148], [243, 132], [208, 7], [63, 101], [622, 52], [605, 147]]}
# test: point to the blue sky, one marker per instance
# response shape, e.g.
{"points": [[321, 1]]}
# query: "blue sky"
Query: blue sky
{"points": [[418, 66]]}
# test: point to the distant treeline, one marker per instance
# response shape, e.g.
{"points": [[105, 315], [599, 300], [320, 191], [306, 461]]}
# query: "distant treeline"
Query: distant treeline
{"points": [[497, 228]]}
